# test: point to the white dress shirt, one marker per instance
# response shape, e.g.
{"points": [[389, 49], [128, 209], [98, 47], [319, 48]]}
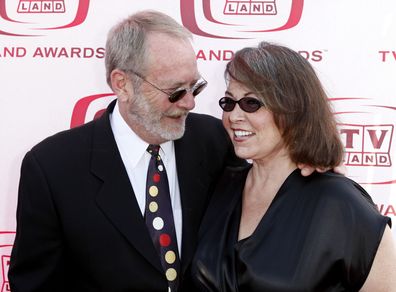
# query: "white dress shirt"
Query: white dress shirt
{"points": [[136, 160]]}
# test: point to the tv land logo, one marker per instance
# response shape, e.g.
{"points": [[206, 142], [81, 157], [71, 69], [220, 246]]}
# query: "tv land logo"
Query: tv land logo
{"points": [[367, 145], [5, 261], [250, 7], [89, 108], [367, 131], [6, 242], [39, 17], [41, 6], [239, 19], [387, 56]]}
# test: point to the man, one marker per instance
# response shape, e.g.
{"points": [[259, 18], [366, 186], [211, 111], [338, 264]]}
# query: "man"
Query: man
{"points": [[81, 206]]}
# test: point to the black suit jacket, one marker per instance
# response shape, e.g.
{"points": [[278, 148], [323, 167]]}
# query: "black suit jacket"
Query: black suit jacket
{"points": [[79, 226]]}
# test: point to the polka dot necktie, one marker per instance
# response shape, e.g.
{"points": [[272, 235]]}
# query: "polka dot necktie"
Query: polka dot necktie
{"points": [[159, 217]]}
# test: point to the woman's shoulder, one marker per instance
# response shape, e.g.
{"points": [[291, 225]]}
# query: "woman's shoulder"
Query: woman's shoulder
{"points": [[337, 187], [342, 196]]}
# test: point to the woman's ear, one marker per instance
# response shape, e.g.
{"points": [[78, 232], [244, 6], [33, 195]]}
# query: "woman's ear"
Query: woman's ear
{"points": [[121, 84]]}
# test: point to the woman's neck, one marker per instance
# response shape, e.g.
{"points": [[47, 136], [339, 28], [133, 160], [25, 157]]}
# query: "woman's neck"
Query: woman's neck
{"points": [[262, 184]]}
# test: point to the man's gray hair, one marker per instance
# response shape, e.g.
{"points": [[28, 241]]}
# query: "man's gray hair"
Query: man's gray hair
{"points": [[126, 41]]}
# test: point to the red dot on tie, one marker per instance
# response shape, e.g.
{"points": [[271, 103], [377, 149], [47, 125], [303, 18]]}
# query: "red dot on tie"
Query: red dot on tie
{"points": [[164, 239], [156, 177]]}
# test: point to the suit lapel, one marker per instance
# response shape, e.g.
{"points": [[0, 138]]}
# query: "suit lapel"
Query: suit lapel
{"points": [[193, 191], [117, 201], [116, 197]]}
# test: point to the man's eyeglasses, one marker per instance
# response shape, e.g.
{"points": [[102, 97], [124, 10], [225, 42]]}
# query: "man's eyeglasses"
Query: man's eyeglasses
{"points": [[247, 104], [179, 93]]}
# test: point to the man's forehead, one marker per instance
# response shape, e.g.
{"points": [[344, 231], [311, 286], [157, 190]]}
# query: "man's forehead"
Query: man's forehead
{"points": [[171, 58], [160, 45]]}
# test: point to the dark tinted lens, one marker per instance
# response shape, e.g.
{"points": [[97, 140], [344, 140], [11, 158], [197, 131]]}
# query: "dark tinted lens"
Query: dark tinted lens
{"points": [[177, 95], [249, 104], [199, 88], [227, 104]]}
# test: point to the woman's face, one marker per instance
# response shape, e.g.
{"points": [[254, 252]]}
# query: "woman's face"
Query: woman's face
{"points": [[254, 135]]}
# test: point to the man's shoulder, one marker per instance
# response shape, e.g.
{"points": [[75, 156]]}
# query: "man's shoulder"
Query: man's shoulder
{"points": [[203, 124], [66, 140], [202, 119]]}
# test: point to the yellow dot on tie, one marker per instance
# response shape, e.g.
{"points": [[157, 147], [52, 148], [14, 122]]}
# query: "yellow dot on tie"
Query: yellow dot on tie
{"points": [[153, 207], [171, 274], [170, 257], [153, 191]]}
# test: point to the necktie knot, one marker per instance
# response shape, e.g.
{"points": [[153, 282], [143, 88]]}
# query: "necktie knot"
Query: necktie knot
{"points": [[153, 149]]}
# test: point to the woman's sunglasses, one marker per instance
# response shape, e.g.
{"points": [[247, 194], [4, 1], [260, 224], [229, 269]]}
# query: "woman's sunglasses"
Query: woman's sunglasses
{"points": [[247, 104]]}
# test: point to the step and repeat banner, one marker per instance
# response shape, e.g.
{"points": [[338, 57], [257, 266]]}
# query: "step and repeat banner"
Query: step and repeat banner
{"points": [[52, 74]]}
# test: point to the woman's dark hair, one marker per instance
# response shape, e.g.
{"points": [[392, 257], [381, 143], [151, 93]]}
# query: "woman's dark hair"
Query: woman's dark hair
{"points": [[288, 86]]}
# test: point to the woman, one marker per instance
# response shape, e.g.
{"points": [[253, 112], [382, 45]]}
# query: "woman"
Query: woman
{"points": [[268, 228]]}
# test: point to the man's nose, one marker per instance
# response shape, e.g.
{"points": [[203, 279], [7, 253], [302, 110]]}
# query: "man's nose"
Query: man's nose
{"points": [[187, 102]]}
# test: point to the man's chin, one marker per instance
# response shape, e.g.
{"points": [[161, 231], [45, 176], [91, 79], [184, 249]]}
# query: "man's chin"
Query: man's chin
{"points": [[173, 134]]}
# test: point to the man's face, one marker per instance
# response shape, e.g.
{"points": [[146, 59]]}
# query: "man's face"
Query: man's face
{"points": [[171, 65]]}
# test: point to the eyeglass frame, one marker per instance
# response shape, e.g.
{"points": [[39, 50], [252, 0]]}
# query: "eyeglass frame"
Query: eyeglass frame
{"points": [[171, 100], [239, 102]]}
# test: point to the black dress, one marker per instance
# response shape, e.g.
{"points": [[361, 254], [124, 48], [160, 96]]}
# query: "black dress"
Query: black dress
{"points": [[320, 233]]}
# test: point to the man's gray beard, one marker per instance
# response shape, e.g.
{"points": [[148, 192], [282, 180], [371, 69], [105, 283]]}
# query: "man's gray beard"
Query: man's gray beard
{"points": [[142, 113]]}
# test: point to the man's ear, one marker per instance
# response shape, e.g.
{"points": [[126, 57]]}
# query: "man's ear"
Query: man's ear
{"points": [[121, 84]]}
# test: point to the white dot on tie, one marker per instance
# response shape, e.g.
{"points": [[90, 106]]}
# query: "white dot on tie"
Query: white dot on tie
{"points": [[160, 168], [158, 223]]}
